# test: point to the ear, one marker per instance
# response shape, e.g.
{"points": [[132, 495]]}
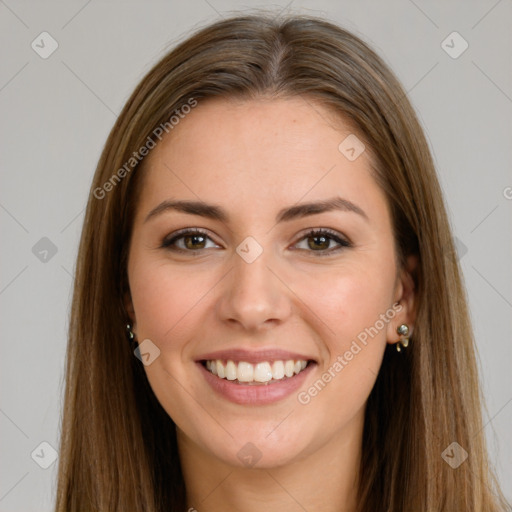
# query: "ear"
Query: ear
{"points": [[405, 296], [128, 306]]}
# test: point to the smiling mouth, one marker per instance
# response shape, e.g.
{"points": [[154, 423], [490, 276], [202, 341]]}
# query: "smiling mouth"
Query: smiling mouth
{"points": [[264, 372]]}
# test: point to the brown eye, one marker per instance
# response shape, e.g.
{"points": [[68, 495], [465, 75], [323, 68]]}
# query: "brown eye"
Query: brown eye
{"points": [[318, 242], [194, 241], [187, 241], [323, 242]]}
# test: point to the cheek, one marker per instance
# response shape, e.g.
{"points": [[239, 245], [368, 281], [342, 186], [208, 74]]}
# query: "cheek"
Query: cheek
{"points": [[349, 300], [353, 304], [166, 299], [351, 308]]}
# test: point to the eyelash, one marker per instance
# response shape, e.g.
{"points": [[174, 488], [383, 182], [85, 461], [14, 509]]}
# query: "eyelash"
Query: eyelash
{"points": [[168, 243]]}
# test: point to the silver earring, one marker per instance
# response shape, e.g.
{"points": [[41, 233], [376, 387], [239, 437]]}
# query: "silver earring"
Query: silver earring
{"points": [[403, 330], [129, 333]]}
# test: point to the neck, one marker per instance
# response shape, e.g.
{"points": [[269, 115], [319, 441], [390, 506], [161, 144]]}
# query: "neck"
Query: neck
{"points": [[324, 480]]}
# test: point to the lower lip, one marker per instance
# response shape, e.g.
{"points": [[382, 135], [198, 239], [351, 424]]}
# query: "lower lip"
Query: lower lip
{"points": [[256, 394]]}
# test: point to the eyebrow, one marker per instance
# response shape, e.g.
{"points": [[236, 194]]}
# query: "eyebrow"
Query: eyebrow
{"points": [[214, 212]]}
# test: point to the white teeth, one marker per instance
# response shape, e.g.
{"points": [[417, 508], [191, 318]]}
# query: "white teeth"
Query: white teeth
{"points": [[245, 372], [231, 371], [220, 369], [278, 370], [288, 368], [212, 367], [261, 372]]}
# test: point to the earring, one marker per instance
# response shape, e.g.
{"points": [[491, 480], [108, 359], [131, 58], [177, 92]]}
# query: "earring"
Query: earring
{"points": [[129, 333], [403, 330]]}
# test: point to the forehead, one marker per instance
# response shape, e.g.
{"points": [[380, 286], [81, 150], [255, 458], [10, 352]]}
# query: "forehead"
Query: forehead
{"points": [[260, 154]]}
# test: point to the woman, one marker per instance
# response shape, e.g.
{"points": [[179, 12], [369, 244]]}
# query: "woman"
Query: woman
{"points": [[266, 224]]}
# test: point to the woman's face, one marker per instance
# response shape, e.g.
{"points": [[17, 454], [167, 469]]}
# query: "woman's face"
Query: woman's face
{"points": [[221, 313]]}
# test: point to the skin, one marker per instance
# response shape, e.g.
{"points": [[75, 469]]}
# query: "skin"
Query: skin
{"points": [[254, 158]]}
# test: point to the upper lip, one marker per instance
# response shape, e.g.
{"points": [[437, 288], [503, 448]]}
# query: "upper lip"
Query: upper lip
{"points": [[254, 356]]}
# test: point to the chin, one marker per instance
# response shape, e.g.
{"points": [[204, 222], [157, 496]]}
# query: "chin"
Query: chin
{"points": [[258, 444], [260, 455]]}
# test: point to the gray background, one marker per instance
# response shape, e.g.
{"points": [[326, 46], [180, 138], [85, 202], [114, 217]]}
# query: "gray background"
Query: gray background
{"points": [[57, 112]]}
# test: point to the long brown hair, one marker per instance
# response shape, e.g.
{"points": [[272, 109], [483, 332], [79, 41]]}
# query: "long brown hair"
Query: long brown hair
{"points": [[118, 446]]}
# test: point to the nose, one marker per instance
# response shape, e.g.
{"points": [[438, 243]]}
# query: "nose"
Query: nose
{"points": [[253, 296]]}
